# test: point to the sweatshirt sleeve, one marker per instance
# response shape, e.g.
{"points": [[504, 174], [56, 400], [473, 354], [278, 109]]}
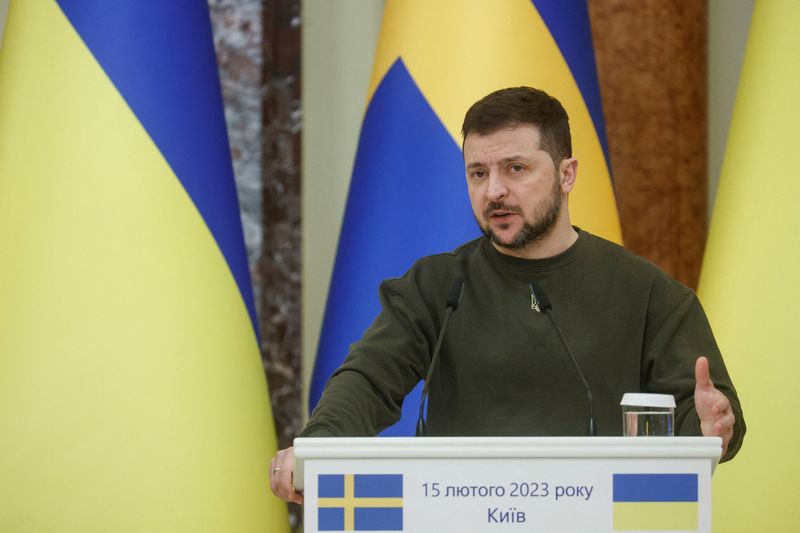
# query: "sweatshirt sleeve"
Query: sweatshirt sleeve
{"points": [[365, 395], [678, 333]]}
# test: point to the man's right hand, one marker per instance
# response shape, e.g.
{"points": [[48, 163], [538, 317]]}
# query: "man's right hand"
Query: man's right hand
{"points": [[281, 476]]}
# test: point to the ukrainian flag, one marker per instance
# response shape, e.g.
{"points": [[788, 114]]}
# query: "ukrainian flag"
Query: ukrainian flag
{"points": [[749, 283], [655, 502], [132, 395], [360, 502], [407, 196]]}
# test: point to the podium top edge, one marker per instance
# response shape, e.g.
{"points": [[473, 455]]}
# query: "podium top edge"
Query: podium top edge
{"points": [[506, 447]]}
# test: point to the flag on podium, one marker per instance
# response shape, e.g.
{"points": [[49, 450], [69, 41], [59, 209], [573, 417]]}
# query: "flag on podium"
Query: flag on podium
{"points": [[749, 281], [407, 196], [132, 395], [360, 502], [655, 502]]}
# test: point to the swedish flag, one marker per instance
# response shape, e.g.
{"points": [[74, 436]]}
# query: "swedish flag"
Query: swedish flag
{"points": [[360, 502]]}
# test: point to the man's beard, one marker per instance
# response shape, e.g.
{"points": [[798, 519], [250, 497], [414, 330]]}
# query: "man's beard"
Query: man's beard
{"points": [[544, 220]]}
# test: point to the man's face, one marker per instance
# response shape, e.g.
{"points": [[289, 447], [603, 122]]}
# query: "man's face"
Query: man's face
{"points": [[514, 186]]}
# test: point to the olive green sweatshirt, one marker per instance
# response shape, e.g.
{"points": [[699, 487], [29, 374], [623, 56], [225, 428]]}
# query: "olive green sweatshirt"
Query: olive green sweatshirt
{"points": [[502, 369]]}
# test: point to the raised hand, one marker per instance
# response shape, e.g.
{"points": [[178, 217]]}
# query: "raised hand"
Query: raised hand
{"points": [[713, 407]]}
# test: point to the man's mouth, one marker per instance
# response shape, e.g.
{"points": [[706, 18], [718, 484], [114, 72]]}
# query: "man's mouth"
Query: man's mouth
{"points": [[501, 214]]}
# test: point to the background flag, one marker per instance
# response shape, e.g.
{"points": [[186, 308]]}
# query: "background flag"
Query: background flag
{"points": [[132, 396], [749, 283], [408, 195]]}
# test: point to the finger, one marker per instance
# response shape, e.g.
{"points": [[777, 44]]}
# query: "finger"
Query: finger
{"points": [[287, 469], [702, 374], [721, 405], [272, 480], [283, 487], [275, 482], [288, 493], [726, 439], [297, 498], [725, 423]]}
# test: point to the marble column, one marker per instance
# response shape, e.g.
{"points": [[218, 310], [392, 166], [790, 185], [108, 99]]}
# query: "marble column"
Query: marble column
{"points": [[651, 57], [258, 51]]}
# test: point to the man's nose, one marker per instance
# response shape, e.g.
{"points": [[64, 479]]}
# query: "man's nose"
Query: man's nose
{"points": [[497, 187]]}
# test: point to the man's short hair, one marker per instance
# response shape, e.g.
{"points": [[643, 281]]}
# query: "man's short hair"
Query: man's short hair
{"points": [[516, 106]]}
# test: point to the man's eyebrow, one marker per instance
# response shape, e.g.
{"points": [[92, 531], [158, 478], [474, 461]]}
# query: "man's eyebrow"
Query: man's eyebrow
{"points": [[505, 160], [515, 157]]}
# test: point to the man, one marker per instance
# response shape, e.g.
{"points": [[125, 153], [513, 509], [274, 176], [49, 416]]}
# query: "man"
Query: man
{"points": [[502, 369]]}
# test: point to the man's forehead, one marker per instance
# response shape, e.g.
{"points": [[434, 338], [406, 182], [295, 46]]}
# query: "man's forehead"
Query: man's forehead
{"points": [[522, 135]]}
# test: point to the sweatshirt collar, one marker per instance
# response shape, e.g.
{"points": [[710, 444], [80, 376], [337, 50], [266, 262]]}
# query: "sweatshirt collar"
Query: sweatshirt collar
{"points": [[509, 262]]}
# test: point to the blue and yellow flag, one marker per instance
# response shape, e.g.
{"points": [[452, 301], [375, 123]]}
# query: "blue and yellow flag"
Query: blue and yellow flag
{"points": [[655, 502], [360, 502], [750, 284], [132, 395], [407, 196]]}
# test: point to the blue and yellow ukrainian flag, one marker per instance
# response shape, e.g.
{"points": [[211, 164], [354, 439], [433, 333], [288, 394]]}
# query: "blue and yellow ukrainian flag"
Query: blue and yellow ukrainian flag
{"points": [[407, 196], [753, 243], [132, 395], [360, 502], [655, 502]]}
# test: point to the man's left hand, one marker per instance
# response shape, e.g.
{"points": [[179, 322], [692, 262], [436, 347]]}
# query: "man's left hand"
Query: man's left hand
{"points": [[713, 408]]}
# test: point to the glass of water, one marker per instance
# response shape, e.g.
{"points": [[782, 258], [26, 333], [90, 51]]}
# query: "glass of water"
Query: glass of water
{"points": [[648, 415]]}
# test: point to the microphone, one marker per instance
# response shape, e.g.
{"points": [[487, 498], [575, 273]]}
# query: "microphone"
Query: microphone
{"points": [[541, 303], [453, 300]]}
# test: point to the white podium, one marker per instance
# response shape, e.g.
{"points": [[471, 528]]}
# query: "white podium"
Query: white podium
{"points": [[478, 484]]}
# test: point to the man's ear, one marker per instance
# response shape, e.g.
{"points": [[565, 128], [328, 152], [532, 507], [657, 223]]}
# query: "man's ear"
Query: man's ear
{"points": [[568, 173]]}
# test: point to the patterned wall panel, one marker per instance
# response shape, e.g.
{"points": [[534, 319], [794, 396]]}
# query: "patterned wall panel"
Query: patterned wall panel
{"points": [[651, 58]]}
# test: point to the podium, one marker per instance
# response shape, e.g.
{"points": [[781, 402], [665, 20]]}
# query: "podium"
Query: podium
{"points": [[479, 484]]}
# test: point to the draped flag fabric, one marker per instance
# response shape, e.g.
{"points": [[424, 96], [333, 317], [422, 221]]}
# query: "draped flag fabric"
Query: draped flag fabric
{"points": [[749, 282], [408, 193], [132, 395]]}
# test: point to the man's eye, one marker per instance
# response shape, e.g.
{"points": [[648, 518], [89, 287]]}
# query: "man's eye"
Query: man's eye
{"points": [[517, 168], [478, 174]]}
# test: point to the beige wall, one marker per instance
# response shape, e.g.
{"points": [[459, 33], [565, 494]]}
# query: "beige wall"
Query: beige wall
{"points": [[339, 40], [729, 22], [3, 9]]}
